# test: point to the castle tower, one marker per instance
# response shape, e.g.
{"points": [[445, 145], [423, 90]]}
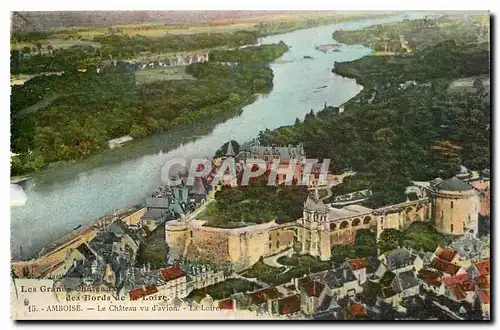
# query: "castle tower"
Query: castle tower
{"points": [[455, 207], [314, 236]]}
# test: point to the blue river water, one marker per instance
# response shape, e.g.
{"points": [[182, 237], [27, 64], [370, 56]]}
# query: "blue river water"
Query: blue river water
{"points": [[54, 209]]}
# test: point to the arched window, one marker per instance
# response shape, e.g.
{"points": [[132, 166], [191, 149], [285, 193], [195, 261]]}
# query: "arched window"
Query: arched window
{"points": [[451, 228], [344, 225], [451, 203], [367, 220], [355, 222], [442, 215], [333, 227]]}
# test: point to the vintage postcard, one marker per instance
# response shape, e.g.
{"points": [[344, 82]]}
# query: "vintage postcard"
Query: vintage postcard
{"points": [[250, 165]]}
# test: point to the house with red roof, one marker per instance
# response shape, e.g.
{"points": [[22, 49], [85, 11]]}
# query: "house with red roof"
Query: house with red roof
{"points": [[289, 306], [446, 267], [460, 288], [142, 292], [227, 304], [175, 282], [312, 293], [480, 272], [358, 267], [479, 268], [447, 254], [356, 311], [431, 280]]}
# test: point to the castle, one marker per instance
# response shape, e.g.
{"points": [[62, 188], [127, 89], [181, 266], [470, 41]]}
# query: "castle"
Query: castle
{"points": [[453, 204]]}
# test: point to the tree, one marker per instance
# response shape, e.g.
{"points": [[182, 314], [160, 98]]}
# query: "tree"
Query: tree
{"points": [[365, 243], [422, 235], [341, 253], [390, 239], [478, 85]]}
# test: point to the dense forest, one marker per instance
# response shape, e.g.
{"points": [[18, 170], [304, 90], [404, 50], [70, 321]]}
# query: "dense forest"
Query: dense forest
{"points": [[263, 53], [416, 35], [406, 124], [86, 109], [31, 60]]}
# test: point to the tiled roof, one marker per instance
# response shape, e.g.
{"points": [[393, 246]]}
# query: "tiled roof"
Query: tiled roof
{"points": [[445, 266], [172, 273], [357, 310], [261, 296], [449, 281], [446, 254], [289, 305], [142, 292], [387, 279], [335, 278], [430, 277], [467, 286], [314, 289], [399, 258], [227, 303], [357, 264], [483, 266], [453, 184], [484, 296], [483, 282], [457, 292], [388, 292], [404, 281]]}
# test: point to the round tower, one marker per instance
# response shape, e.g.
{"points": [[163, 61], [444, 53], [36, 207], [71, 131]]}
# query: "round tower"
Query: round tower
{"points": [[456, 207]]}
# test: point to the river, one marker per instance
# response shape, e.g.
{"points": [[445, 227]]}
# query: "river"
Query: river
{"points": [[54, 208]]}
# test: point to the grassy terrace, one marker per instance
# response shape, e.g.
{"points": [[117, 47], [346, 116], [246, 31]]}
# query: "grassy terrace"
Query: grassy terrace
{"points": [[153, 250], [255, 204], [295, 266], [223, 290]]}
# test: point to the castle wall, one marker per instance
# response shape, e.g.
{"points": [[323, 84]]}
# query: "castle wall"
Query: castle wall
{"points": [[281, 239], [484, 187], [178, 238], [135, 217], [348, 235], [241, 246], [402, 215]]}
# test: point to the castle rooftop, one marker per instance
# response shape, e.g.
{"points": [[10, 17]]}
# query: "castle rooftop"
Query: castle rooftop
{"points": [[453, 184], [348, 211]]}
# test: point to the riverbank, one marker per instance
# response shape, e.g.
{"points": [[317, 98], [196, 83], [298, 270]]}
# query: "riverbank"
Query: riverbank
{"points": [[406, 112], [132, 172], [58, 134]]}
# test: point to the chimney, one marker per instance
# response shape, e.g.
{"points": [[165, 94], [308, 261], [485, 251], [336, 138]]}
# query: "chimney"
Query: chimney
{"points": [[234, 303]]}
